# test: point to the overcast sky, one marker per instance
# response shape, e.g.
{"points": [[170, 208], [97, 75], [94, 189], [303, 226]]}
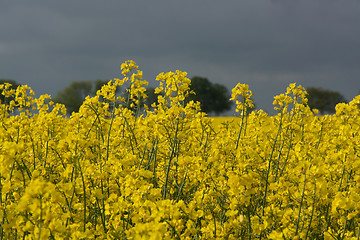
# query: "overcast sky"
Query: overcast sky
{"points": [[47, 44]]}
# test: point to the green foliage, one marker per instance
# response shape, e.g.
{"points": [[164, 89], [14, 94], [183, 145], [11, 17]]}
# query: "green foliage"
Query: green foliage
{"points": [[98, 84], [324, 100], [74, 95], [212, 97], [152, 97], [14, 86]]}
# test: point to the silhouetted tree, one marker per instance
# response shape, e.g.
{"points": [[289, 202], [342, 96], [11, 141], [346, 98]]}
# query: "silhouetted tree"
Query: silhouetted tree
{"points": [[74, 95], [152, 97], [212, 97], [98, 85], [14, 85], [324, 100]]}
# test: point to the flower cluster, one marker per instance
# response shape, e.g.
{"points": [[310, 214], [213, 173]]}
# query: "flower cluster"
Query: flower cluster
{"points": [[108, 173], [245, 102]]}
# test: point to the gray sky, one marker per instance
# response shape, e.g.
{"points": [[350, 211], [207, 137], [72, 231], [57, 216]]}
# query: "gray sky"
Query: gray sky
{"points": [[47, 44]]}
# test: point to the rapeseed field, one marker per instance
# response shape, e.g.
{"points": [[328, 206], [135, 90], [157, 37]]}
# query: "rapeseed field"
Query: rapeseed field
{"points": [[114, 171]]}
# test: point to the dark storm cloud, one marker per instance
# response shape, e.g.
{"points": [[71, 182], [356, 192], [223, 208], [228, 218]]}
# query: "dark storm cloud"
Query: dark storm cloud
{"points": [[267, 44]]}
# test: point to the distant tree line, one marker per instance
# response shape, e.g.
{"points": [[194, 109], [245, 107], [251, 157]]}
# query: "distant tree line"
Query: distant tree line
{"points": [[324, 100], [213, 97], [74, 95], [14, 85]]}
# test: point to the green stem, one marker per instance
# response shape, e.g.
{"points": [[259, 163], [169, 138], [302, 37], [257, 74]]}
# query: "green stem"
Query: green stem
{"points": [[269, 165], [321, 131], [40, 223], [206, 141], [108, 136], [5, 204], [152, 153], [312, 211], [84, 193], [342, 175], [241, 126], [300, 205], [143, 156], [175, 140], [182, 186], [103, 207], [249, 222], [343, 233], [285, 162]]}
